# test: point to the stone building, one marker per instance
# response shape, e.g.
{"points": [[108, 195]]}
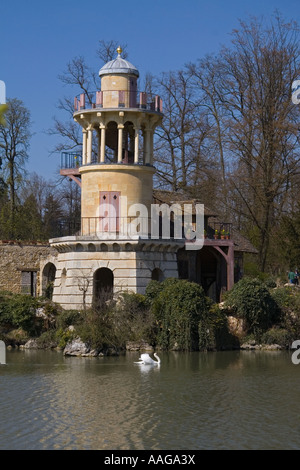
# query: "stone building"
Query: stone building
{"points": [[20, 264], [116, 249]]}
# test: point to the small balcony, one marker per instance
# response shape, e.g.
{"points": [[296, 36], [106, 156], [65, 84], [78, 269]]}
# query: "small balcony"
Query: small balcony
{"points": [[118, 99], [218, 231], [70, 163]]}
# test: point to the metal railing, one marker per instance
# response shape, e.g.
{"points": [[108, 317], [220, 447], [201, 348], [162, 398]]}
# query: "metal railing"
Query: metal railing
{"points": [[118, 99], [70, 160], [133, 226], [105, 227]]}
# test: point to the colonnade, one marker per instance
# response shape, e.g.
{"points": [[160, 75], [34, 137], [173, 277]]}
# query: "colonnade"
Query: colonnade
{"points": [[146, 133]]}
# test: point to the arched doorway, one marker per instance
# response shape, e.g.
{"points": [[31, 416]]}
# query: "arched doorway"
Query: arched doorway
{"points": [[48, 278], [157, 275], [103, 286]]}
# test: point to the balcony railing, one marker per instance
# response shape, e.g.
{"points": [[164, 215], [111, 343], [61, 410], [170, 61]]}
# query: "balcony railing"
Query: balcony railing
{"points": [[106, 227], [119, 99], [70, 160]]}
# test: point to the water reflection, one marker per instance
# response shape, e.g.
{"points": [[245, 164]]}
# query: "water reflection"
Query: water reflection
{"points": [[224, 400]]}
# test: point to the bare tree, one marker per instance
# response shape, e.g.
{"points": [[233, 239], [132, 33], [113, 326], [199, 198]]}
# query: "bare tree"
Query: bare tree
{"points": [[14, 144], [254, 93], [207, 75], [180, 150], [107, 50], [81, 78]]}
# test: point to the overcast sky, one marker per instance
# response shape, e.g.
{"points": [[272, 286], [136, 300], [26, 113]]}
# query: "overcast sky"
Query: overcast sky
{"points": [[38, 39]]}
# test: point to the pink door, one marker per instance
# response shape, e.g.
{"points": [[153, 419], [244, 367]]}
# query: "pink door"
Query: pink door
{"points": [[109, 211]]}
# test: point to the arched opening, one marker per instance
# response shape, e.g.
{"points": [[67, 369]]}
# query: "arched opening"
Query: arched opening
{"points": [[111, 142], [103, 286], [128, 143], [211, 269], [157, 275], [48, 278]]}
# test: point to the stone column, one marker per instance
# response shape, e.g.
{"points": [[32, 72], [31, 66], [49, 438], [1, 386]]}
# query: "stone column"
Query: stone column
{"points": [[84, 146], [99, 146], [136, 144], [151, 147], [89, 145], [147, 146], [102, 150], [120, 142]]}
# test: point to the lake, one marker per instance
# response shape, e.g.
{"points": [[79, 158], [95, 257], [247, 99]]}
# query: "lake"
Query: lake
{"points": [[192, 401]]}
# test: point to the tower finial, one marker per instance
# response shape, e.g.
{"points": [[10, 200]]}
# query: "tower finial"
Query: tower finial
{"points": [[119, 50]]}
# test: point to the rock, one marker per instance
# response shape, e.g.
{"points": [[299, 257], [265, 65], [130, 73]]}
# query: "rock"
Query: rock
{"points": [[271, 347], [236, 326], [31, 344], [250, 345], [76, 348]]}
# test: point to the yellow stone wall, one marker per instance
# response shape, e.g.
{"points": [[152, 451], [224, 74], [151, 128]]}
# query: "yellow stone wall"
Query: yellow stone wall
{"points": [[133, 182], [111, 84]]}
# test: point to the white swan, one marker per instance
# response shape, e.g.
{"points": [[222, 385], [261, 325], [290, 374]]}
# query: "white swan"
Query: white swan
{"points": [[146, 359]]}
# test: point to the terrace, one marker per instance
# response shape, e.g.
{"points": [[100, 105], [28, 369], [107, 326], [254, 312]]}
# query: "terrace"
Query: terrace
{"points": [[118, 99]]}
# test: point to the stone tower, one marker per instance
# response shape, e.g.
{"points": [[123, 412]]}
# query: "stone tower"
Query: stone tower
{"points": [[114, 250]]}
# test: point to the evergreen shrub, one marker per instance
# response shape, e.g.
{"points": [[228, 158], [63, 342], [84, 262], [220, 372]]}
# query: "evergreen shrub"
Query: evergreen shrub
{"points": [[19, 311], [213, 331], [251, 300], [178, 307]]}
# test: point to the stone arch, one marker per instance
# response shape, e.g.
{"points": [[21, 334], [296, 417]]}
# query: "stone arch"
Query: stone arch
{"points": [[157, 275], [48, 278], [103, 286]]}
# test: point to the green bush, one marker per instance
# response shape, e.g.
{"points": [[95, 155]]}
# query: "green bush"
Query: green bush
{"points": [[213, 331], [97, 329], [67, 318], [47, 340], [153, 289], [288, 299], [133, 318], [178, 308], [62, 337], [19, 311], [276, 335], [251, 300]]}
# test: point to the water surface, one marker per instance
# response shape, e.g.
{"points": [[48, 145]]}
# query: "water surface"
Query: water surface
{"points": [[222, 400]]}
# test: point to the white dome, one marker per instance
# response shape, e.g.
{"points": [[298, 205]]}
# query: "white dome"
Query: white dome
{"points": [[118, 65]]}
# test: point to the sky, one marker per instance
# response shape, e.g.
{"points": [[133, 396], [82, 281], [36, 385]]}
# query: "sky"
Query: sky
{"points": [[40, 37]]}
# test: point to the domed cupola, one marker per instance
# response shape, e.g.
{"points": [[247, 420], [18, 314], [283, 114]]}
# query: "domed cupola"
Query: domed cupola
{"points": [[118, 66], [119, 83]]}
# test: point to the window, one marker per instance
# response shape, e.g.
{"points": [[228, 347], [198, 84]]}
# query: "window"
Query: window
{"points": [[28, 283]]}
